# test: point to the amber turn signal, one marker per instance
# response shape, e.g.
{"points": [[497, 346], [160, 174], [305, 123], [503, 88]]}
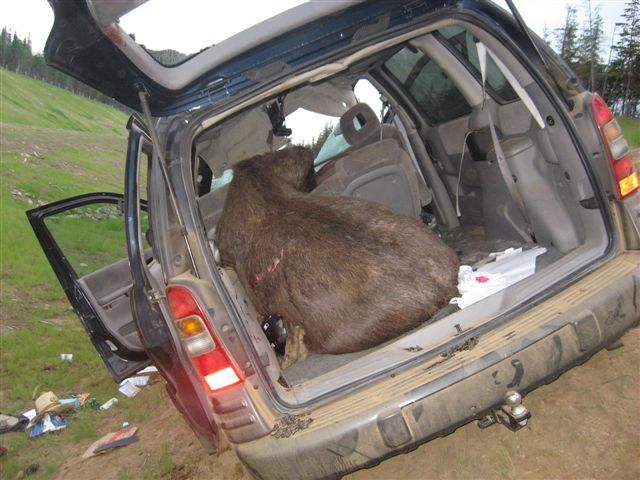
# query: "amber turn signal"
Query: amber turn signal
{"points": [[629, 184], [190, 326]]}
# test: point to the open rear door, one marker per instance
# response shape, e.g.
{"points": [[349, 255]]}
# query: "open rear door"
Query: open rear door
{"points": [[83, 238]]}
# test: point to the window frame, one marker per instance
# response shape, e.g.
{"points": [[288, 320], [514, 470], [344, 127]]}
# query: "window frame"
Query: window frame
{"points": [[395, 83], [471, 69]]}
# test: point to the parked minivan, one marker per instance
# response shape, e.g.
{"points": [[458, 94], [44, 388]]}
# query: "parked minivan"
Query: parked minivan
{"points": [[462, 118]]}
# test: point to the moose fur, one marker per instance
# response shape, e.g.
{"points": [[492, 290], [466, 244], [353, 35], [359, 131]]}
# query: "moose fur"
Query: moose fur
{"points": [[350, 273]]}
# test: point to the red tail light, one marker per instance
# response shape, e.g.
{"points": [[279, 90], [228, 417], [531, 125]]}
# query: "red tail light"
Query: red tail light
{"points": [[624, 172], [200, 341], [216, 371], [182, 303], [601, 111]]}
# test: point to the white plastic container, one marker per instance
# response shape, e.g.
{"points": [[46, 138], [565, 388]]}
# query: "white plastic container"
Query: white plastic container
{"points": [[109, 403]]}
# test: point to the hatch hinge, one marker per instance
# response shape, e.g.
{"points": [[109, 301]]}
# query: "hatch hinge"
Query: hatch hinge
{"points": [[214, 87], [153, 296]]}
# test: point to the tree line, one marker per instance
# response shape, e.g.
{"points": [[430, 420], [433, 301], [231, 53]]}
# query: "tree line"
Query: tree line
{"points": [[615, 75]]}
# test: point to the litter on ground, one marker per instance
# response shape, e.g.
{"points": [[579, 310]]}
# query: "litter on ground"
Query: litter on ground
{"points": [[125, 436], [149, 369], [12, 423], [109, 403], [132, 385], [50, 422]]}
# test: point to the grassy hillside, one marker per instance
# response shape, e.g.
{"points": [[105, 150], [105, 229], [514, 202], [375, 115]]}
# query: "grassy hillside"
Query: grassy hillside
{"points": [[53, 145], [26, 101]]}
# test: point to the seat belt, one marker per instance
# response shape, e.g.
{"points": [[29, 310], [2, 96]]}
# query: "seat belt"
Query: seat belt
{"points": [[520, 91], [501, 159]]}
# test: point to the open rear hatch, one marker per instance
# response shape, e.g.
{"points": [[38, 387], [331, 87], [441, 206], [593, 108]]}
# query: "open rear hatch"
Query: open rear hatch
{"points": [[490, 129]]}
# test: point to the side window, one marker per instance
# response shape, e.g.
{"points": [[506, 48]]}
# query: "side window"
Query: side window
{"points": [[332, 143], [91, 236], [428, 85], [206, 181], [143, 195], [222, 180], [144, 166], [463, 42]]}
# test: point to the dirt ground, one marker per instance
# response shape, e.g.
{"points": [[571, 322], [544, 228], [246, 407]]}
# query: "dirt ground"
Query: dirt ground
{"points": [[167, 449], [584, 425]]}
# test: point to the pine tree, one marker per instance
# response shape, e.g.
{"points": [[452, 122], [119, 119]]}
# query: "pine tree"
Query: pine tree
{"points": [[318, 141], [39, 68], [567, 37], [589, 46], [13, 55], [546, 34], [628, 60], [5, 43]]}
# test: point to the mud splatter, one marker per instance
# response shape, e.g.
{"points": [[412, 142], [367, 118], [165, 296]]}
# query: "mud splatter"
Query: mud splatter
{"points": [[466, 345], [290, 425]]}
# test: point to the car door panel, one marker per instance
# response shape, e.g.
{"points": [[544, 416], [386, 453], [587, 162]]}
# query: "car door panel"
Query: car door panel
{"points": [[100, 298], [108, 290]]}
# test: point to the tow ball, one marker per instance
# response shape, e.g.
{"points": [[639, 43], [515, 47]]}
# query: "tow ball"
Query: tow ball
{"points": [[512, 414]]}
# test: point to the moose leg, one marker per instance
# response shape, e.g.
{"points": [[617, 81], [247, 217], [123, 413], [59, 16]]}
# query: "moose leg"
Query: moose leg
{"points": [[295, 350]]}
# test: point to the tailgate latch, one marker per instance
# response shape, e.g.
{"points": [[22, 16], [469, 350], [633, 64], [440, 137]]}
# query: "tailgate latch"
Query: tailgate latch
{"points": [[512, 414]]}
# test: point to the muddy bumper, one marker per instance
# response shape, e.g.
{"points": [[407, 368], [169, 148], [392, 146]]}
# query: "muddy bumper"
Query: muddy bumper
{"points": [[399, 412]]}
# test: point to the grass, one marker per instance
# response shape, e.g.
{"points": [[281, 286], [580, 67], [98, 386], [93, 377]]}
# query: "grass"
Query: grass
{"points": [[54, 145], [26, 101], [91, 237], [27, 281], [31, 359], [631, 129], [159, 465], [165, 462]]}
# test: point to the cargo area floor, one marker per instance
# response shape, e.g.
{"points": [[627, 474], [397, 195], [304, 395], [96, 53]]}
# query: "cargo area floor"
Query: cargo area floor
{"points": [[471, 246]]}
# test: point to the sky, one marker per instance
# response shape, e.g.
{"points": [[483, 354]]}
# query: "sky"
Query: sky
{"points": [[215, 21], [186, 32]]}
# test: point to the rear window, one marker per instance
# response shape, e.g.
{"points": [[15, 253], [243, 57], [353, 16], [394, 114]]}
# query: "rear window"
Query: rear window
{"points": [[167, 31], [428, 85], [463, 42]]}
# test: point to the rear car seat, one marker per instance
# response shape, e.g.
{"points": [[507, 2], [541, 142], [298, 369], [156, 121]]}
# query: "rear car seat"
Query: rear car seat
{"points": [[375, 166]]}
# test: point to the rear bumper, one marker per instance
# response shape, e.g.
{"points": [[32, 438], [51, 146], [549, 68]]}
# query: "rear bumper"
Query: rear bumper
{"points": [[433, 398]]}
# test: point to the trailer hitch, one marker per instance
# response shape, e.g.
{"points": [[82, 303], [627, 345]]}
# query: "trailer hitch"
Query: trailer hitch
{"points": [[512, 414]]}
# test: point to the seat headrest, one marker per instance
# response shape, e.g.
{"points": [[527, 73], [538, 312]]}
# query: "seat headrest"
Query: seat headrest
{"points": [[360, 125]]}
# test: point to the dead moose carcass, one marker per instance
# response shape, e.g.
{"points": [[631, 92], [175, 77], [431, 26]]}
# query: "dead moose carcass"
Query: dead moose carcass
{"points": [[350, 272]]}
